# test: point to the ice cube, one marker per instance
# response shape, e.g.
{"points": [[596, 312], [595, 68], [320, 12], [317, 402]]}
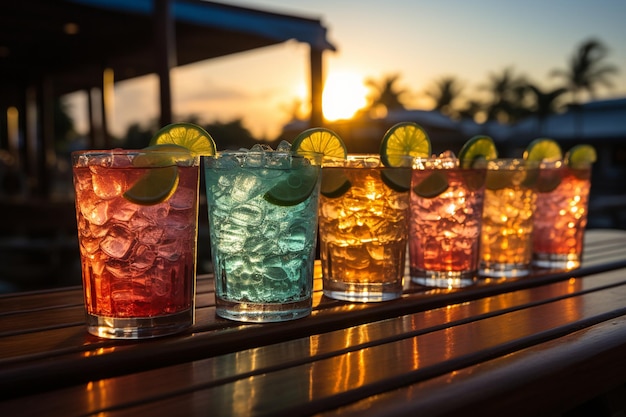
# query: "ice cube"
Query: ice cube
{"points": [[117, 242], [254, 159], [230, 238], [283, 146], [260, 246], [279, 160], [95, 211], [154, 212], [447, 155], [294, 240], [247, 215], [143, 257], [169, 250], [123, 209], [105, 184], [376, 252], [227, 160], [89, 245], [185, 198], [176, 221], [246, 187], [261, 147], [151, 235]]}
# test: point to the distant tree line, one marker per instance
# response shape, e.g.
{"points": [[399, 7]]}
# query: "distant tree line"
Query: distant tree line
{"points": [[507, 98]]}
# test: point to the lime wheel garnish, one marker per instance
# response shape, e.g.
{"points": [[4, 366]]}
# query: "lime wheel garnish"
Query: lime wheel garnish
{"points": [[331, 146], [477, 150]]}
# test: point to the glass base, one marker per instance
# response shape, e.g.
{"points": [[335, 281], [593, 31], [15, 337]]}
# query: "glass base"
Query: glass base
{"points": [[362, 291], [443, 279], [262, 313], [140, 327], [503, 270], [559, 261]]}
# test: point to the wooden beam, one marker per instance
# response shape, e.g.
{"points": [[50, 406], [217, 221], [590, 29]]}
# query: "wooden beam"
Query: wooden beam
{"points": [[106, 105], [165, 54], [317, 87]]}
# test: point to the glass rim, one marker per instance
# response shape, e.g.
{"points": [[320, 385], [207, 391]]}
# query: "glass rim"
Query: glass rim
{"points": [[236, 152], [510, 164], [121, 151], [372, 160]]}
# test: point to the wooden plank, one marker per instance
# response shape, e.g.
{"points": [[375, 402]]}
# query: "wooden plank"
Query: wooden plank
{"points": [[42, 342], [15, 341], [57, 325], [325, 371], [590, 362], [39, 300]]}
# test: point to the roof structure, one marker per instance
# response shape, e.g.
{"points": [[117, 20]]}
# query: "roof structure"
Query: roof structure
{"points": [[70, 41], [51, 48]]}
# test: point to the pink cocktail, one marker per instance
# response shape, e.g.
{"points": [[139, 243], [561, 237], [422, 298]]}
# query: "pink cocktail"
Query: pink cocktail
{"points": [[138, 250], [446, 215], [561, 218]]}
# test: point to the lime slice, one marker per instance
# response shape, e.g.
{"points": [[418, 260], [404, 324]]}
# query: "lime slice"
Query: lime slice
{"points": [[296, 188], [329, 144], [478, 148], [156, 186], [160, 181], [170, 144], [401, 140], [431, 186], [161, 156], [581, 156], [545, 179], [543, 149], [334, 182], [320, 140], [398, 179], [187, 135]]}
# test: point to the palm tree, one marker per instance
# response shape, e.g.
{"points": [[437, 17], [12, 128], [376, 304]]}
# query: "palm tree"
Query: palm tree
{"points": [[507, 96], [545, 103], [471, 110], [444, 92], [587, 69], [385, 94]]}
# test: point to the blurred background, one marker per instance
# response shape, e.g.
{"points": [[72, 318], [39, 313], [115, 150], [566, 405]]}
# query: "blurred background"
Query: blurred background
{"points": [[89, 74]]}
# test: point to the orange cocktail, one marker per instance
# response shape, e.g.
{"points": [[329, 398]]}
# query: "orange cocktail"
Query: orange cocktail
{"points": [[363, 228], [506, 236]]}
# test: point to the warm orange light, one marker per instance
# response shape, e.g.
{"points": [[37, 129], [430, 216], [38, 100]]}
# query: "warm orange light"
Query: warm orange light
{"points": [[344, 94]]}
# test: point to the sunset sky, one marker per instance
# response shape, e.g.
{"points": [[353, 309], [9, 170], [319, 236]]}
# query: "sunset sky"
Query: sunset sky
{"points": [[420, 40]]}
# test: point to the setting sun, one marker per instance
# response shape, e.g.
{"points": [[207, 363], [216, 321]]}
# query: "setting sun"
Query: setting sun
{"points": [[344, 94]]}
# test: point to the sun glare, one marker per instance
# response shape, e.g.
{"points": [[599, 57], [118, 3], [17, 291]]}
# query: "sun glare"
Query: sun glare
{"points": [[344, 94]]}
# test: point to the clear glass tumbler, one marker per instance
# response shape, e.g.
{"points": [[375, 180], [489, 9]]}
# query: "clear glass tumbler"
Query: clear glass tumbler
{"points": [[561, 217], [363, 228], [137, 216], [263, 227], [446, 216], [506, 236]]}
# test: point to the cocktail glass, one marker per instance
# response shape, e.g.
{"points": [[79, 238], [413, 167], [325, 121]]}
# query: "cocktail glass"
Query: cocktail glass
{"points": [[363, 221], [263, 227], [444, 230], [561, 216], [506, 236], [138, 254]]}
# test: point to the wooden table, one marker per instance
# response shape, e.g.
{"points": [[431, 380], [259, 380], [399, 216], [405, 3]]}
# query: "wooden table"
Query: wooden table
{"points": [[539, 345]]}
